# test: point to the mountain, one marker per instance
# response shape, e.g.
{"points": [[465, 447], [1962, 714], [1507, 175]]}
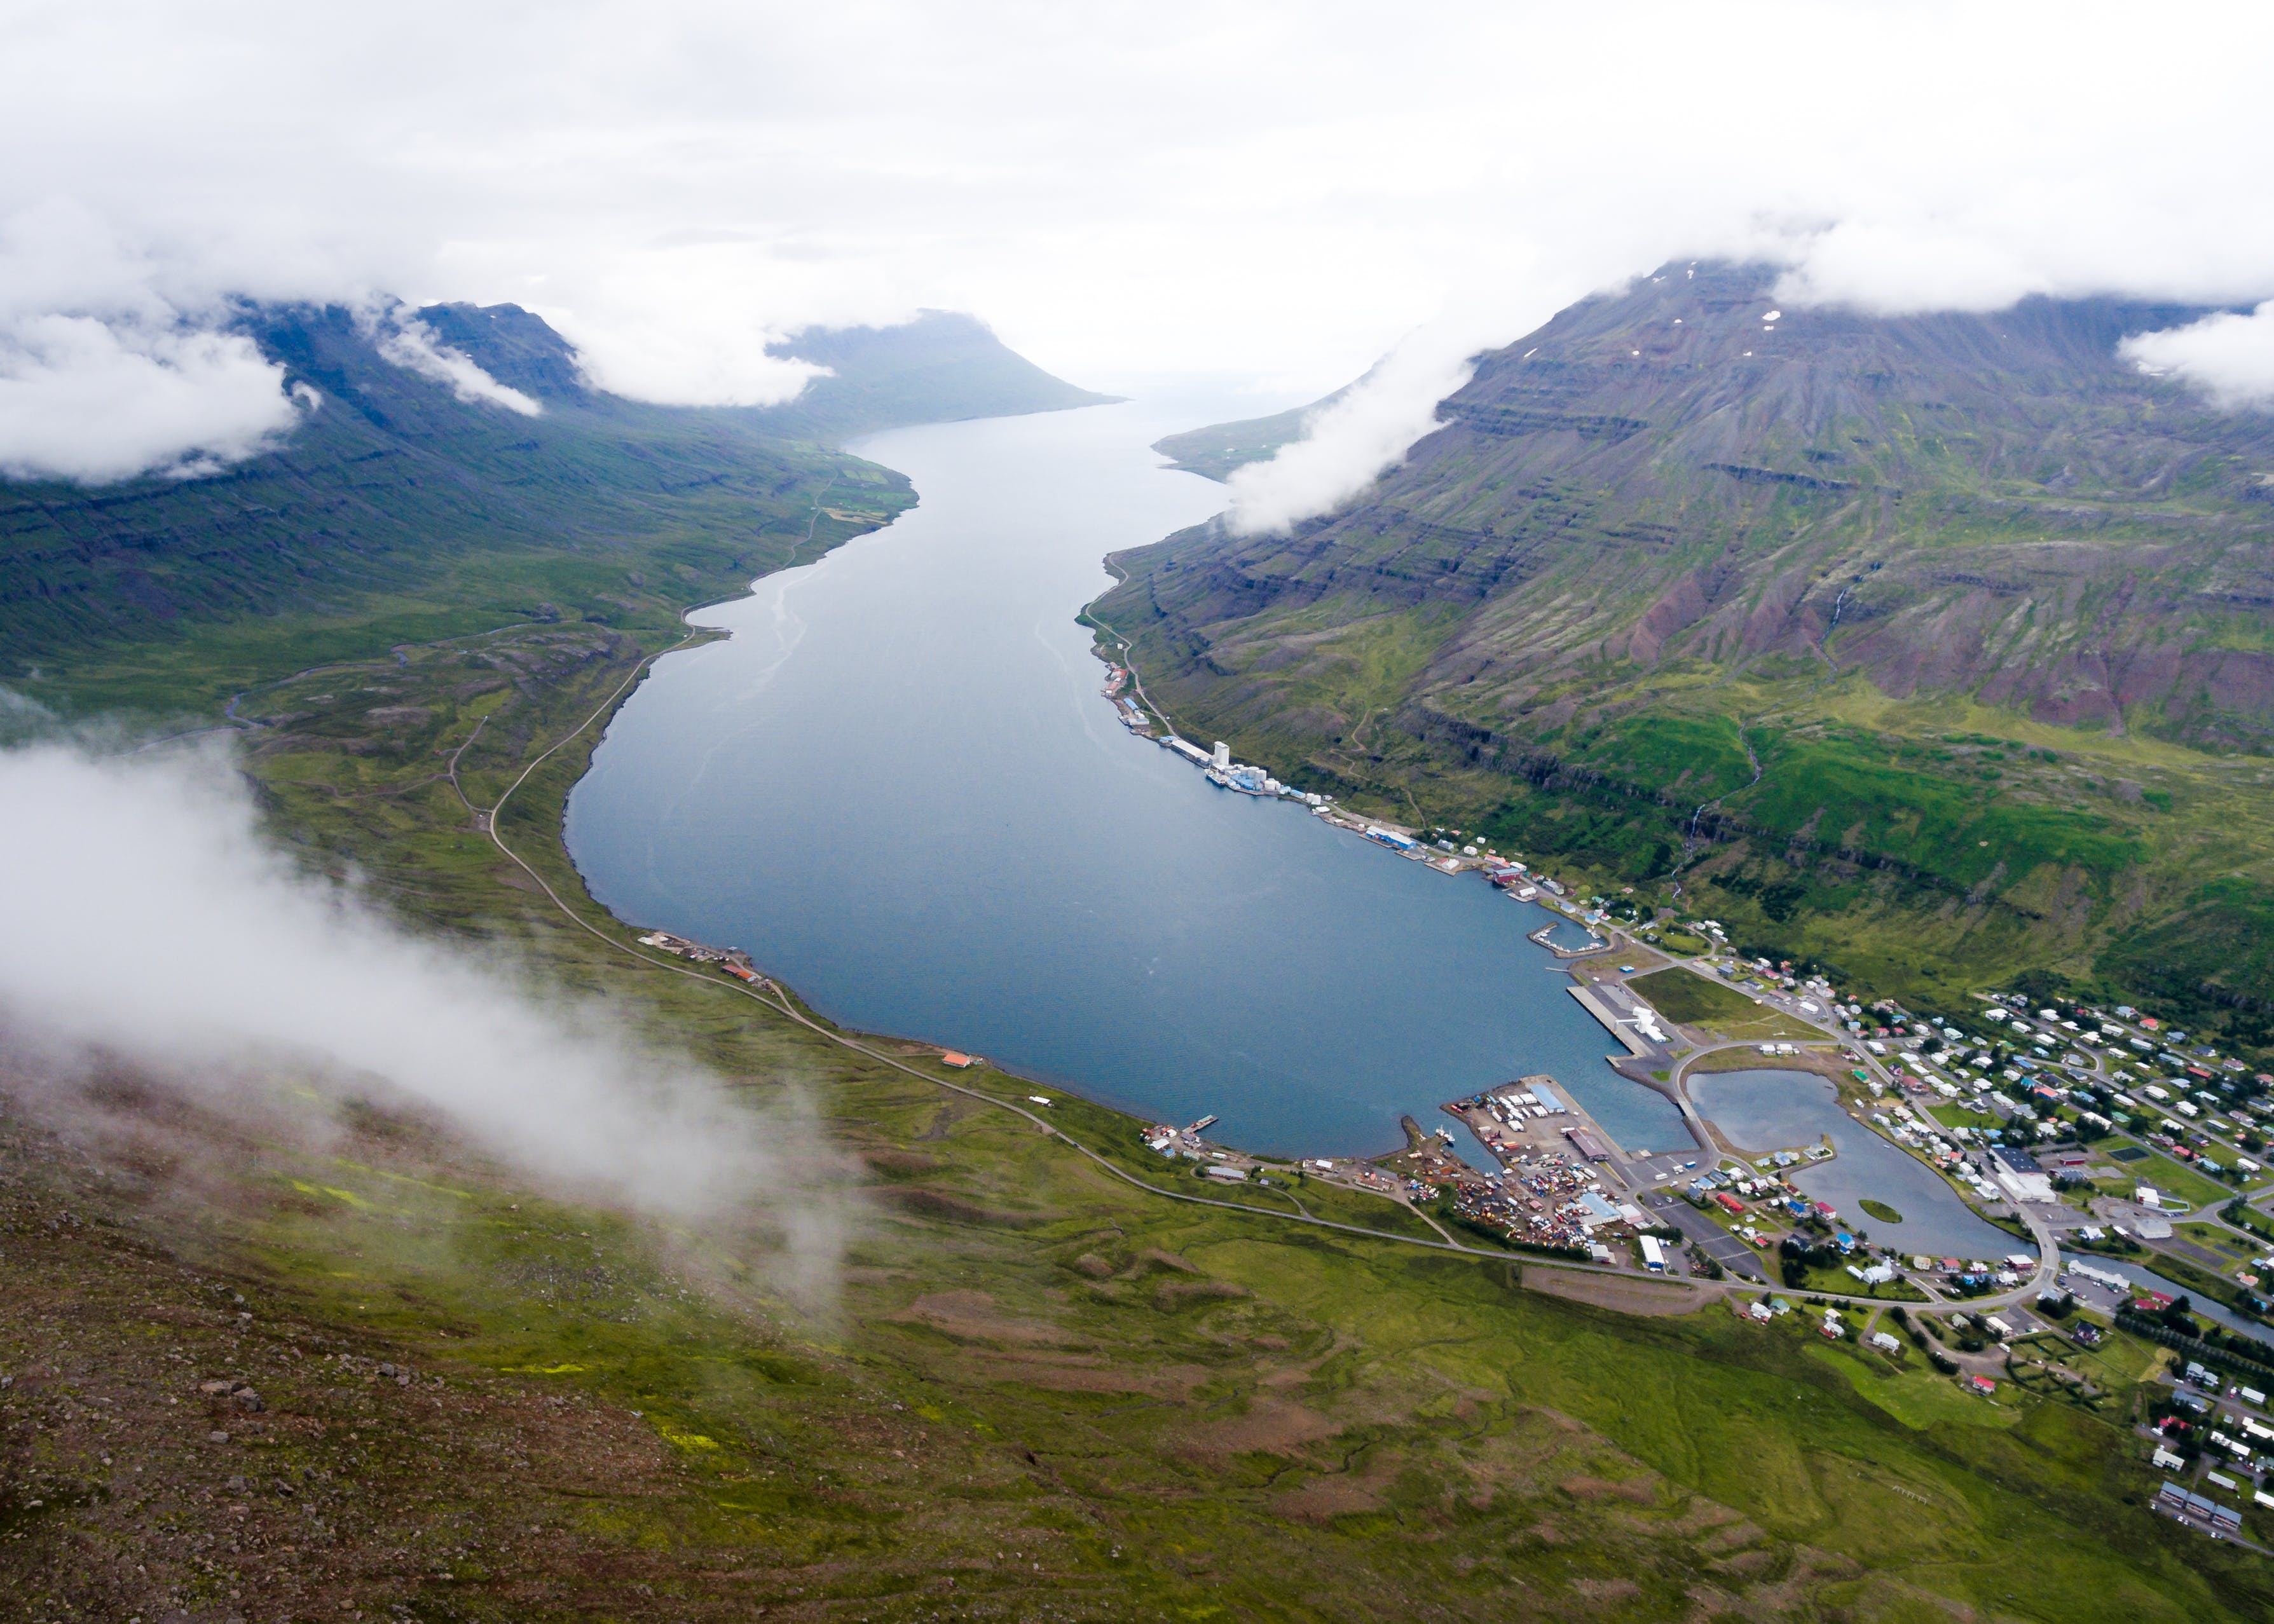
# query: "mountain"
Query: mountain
{"points": [[1956, 615], [397, 511], [942, 367], [1217, 450]]}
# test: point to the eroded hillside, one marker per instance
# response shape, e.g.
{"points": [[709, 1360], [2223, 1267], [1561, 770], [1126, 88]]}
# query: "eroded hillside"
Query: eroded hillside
{"points": [[1958, 615]]}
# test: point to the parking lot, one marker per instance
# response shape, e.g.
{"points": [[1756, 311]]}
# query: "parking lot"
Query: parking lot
{"points": [[1732, 1254]]}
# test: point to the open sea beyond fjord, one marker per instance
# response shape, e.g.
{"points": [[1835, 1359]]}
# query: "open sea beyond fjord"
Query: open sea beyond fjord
{"points": [[898, 788]]}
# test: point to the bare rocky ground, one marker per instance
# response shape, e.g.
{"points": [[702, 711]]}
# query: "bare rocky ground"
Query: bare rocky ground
{"points": [[169, 1452]]}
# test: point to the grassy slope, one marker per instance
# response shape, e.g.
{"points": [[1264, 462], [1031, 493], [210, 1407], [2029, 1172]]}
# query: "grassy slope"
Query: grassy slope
{"points": [[396, 513], [1040, 1393], [1582, 633]]}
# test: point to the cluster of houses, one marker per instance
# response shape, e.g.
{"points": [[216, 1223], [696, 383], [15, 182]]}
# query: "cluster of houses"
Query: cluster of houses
{"points": [[1968, 1276], [2223, 1425], [1832, 1328], [2081, 1063], [1732, 1188], [733, 960], [1920, 1133], [1165, 1138]]}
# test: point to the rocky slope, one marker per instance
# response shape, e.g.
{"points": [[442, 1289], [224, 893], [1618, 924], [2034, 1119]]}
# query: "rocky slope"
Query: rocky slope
{"points": [[1664, 521]]}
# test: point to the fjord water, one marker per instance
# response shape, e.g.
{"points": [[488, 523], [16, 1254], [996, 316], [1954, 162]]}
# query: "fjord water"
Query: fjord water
{"points": [[897, 788]]}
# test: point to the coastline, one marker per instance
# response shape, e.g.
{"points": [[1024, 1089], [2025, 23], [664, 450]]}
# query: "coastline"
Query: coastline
{"points": [[760, 977]]}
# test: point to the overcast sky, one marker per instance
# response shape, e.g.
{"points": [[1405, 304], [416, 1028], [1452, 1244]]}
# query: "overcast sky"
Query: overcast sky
{"points": [[1274, 193]]}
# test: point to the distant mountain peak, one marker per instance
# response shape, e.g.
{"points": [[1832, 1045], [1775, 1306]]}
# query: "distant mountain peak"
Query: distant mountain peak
{"points": [[942, 367]]}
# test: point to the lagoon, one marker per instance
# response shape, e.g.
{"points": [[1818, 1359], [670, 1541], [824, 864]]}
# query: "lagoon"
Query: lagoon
{"points": [[1766, 1110]]}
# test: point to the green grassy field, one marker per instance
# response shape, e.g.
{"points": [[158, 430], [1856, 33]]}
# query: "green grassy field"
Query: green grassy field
{"points": [[2169, 1177], [1694, 1000]]}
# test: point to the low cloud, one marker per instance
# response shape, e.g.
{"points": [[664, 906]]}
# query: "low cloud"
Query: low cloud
{"points": [[2229, 357], [1348, 443], [1891, 270], [638, 333], [93, 401], [410, 343], [1234, 187], [158, 927]]}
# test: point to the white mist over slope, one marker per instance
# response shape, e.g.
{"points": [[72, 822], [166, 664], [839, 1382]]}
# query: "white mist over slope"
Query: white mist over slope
{"points": [[1347, 443], [410, 343], [142, 915]]}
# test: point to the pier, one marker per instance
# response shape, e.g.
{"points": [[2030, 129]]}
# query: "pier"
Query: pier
{"points": [[1595, 943]]}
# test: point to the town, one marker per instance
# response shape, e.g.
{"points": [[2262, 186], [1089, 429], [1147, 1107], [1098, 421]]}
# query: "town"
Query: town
{"points": [[2140, 1252], [2127, 1160], [2115, 1169]]}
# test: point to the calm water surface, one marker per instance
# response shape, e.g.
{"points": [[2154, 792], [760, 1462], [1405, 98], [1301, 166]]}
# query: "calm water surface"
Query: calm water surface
{"points": [[1780, 1110], [898, 788]]}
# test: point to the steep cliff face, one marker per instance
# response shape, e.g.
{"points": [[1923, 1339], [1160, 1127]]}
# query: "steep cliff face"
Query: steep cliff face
{"points": [[1679, 546], [1994, 503]]}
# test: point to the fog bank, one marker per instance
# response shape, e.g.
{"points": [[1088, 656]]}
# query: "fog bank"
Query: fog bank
{"points": [[143, 914]]}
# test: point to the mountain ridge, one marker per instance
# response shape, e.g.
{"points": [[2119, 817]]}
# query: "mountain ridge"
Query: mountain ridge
{"points": [[396, 498], [1661, 523], [940, 366]]}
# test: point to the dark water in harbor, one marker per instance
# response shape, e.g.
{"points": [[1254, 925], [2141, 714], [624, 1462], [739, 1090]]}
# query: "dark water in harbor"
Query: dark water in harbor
{"points": [[1783, 1110], [898, 788]]}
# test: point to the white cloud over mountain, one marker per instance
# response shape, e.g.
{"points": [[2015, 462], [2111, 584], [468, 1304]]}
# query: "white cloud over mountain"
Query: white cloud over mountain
{"points": [[2229, 356], [1243, 186], [89, 400], [403, 339]]}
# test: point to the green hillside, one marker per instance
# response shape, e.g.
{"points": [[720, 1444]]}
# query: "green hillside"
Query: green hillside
{"points": [[397, 513], [1039, 1392], [1932, 647]]}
